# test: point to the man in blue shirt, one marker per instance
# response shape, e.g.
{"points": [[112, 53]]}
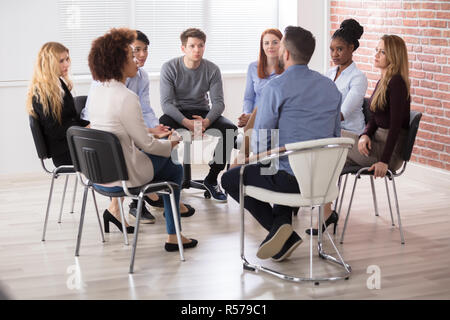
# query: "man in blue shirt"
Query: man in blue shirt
{"points": [[301, 105]]}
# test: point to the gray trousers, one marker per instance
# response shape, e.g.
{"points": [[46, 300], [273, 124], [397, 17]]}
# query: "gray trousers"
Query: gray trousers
{"points": [[354, 158]]}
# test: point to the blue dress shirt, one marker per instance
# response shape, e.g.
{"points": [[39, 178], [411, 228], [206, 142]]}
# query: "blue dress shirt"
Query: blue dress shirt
{"points": [[302, 104], [139, 84], [254, 87], [352, 83]]}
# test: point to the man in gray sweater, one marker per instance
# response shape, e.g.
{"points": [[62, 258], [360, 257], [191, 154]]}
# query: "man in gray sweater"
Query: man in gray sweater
{"points": [[184, 86]]}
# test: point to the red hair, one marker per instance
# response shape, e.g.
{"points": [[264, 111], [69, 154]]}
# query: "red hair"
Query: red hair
{"points": [[262, 61]]}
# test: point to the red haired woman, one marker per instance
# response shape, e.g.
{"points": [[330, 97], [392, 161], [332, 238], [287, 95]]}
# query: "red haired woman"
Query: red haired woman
{"points": [[261, 71]]}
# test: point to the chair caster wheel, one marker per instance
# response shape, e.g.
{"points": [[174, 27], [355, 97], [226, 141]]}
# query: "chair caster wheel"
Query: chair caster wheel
{"points": [[207, 195], [316, 283], [248, 268], [346, 278]]}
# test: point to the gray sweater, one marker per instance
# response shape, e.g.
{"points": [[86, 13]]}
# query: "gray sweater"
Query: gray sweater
{"points": [[184, 89]]}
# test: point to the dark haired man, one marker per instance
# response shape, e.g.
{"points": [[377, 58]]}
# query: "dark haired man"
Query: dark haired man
{"points": [[303, 105], [185, 84]]}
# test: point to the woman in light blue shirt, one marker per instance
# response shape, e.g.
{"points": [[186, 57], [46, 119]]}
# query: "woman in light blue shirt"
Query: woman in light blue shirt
{"points": [[351, 82], [261, 71]]}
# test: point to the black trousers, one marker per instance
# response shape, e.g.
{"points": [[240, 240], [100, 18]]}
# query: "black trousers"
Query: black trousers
{"points": [[227, 140], [263, 212]]}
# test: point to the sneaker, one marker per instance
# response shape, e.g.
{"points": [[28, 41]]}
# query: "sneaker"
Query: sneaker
{"points": [[289, 246], [274, 241], [215, 191], [146, 216]]}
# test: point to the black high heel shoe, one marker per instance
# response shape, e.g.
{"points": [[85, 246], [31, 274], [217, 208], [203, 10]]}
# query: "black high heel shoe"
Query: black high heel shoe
{"points": [[108, 217], [333, 218]]}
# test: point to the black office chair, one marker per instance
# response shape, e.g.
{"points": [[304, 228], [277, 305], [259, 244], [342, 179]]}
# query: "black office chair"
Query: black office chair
{"points": [[359, 171], [66, 170], [80, 103], [99, 157]]}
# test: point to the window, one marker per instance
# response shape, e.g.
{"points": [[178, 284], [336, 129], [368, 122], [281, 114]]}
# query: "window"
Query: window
{"points": [[232, 27]]}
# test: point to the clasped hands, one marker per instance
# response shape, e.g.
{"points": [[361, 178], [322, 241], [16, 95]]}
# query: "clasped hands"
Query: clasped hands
{"points": [[364, 146], [191, 124]]}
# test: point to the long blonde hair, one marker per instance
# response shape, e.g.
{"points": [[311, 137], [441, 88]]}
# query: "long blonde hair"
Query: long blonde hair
{"points": [[45, 85], [397, 59]]}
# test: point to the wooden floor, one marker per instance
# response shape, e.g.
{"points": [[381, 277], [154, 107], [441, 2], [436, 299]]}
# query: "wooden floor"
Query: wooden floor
{"points": [[32, 269]]}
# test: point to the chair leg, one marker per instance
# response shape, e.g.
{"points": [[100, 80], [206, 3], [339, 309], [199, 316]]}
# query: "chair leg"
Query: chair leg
{"points": [[348, 211], [74, 193], [62, 199], [122, 216], [98, 216], [398, 212], [389, 200], [48, 206], [320, 250], [342, 195], [337, 198], [80, 228], [176, 222], [136, 231], [374, 196]]}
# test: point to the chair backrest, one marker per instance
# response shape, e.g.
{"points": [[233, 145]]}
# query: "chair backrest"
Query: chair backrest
{"points": [[97, 154], [366, 110], [80, 103], [414, 120], [317, 165], [38, 137]]}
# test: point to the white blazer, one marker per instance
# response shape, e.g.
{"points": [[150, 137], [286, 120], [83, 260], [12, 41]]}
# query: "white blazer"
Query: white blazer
{"points": [[115, 108]]}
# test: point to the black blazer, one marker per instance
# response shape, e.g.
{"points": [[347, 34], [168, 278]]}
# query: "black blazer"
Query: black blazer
{"points": [[54, 132]]}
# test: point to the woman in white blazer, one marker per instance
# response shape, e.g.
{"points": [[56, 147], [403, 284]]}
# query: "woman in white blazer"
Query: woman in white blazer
{"points": [[351, 82], [115, 108]]}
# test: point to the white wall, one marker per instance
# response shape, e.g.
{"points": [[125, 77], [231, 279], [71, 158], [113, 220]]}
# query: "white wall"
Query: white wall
{"points": [[26, 24]]}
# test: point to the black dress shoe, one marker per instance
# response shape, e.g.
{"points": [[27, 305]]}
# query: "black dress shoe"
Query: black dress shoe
{"points": [[174, 246], [155, 203], [108, 217], [186, 214], [333, 218], [289, 246]]}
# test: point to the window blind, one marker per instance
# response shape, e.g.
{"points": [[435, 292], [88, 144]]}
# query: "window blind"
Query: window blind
{"points": [[232, 27]]}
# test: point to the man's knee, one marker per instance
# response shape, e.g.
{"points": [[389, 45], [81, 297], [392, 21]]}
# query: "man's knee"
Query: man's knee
{"points": [[230, 179], [167, 120]]}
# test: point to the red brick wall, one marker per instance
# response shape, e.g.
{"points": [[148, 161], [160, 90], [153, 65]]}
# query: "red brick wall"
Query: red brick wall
{"points": [[425, 27]]}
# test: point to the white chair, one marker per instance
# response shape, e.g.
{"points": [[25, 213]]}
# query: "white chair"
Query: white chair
{"points": [[317, 165]]}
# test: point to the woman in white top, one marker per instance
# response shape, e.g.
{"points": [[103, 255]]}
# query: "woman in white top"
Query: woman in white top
{"points": [[115, 108], [351, 82]]}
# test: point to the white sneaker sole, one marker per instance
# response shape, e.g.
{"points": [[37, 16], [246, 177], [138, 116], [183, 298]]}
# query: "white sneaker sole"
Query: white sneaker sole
{"points": [[274, 245]]}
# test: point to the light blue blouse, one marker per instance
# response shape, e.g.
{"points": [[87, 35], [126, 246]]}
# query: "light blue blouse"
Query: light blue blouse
{"points": [[352, 83], [139, 84], [254, 87]]}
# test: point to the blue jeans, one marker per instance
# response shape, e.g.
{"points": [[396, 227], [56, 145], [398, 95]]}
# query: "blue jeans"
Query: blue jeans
{"points": [[164, 170]]}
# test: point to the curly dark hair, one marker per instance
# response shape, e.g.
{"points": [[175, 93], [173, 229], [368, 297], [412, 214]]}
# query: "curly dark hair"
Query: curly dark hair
{"points": [[108, 54]]}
